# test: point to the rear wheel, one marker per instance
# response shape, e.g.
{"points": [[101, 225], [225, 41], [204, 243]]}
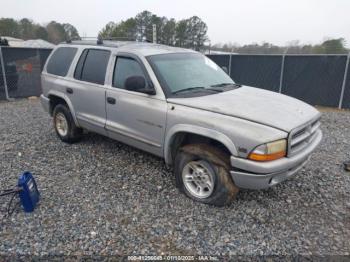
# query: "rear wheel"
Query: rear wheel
{"points": [[65, 126], [202, 173]]}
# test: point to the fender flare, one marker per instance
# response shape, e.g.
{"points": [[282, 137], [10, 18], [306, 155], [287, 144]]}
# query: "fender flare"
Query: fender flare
{"points": [[68, 102], [210, 133]]}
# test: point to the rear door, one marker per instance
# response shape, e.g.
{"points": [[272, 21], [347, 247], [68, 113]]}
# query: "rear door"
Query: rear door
{"points": [[135, 118], [87, 90]]}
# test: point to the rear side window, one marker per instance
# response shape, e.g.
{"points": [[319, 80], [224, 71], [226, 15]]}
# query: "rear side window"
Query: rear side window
{"points": [[124, 68], [61, 60], [80, 65], [92, 66]]}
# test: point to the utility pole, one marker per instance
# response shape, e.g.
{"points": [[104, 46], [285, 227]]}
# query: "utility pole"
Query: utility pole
{"points": [[4, 74], [344, 84], [154, 33], [282, 69]]}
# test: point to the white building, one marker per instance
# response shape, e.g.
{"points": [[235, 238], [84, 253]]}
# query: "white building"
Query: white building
{"points": [[33, 43]]}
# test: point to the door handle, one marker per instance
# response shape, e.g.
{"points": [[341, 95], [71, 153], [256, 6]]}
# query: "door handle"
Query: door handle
{"points": [[111, 100], [69, 90]]}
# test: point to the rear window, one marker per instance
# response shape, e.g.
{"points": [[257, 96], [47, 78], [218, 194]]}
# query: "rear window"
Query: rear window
{"points": [[92, 66], [61, 60]]}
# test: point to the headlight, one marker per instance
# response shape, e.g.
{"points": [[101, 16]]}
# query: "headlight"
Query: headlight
{"points": [[269, 151]]}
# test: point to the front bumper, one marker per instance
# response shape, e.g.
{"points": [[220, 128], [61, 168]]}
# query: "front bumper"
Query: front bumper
{"points": [[260, 175]]}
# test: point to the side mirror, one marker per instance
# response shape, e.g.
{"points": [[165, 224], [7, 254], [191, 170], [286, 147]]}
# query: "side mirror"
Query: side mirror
{"points": [[138, 84], [225, 69]]}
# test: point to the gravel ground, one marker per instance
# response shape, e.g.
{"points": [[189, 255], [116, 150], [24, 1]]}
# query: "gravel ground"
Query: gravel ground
{"points": [[102, 197]]}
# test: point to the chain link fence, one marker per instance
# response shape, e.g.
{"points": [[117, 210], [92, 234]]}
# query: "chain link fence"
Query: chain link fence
{"points": [[2, 84], [322, 80], [257, 70], [346, 93], [22, 67], [316, 79]]}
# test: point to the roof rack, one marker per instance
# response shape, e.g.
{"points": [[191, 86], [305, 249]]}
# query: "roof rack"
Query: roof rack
{"points": [[100, 40]]}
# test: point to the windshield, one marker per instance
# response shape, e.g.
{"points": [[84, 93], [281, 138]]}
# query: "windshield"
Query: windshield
{"points": [[189, 72]]}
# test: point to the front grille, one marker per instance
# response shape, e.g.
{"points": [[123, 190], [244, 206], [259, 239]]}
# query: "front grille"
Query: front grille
{"points": [[302, 136]]}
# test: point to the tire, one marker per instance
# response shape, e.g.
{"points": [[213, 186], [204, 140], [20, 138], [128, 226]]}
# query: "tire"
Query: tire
{"points": [[215, 165], [63, 117]]}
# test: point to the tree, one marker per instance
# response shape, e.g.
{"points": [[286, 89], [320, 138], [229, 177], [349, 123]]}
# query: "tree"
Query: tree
{"points": [[27, 29], [129, 28], [144, 25], [107, 31], [41, 33], [70, 31], [160, 23], [56, 32], [9, 27], [181, 33], [331, 46], [196, 32], [124, 29], [168, 37], [190, 32]]}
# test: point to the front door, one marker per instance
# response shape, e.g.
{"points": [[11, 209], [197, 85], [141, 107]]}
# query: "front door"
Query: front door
{"points": [[135, 118]]}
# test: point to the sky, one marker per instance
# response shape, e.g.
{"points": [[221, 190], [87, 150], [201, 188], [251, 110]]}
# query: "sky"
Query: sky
{"points": [[237, 21]]}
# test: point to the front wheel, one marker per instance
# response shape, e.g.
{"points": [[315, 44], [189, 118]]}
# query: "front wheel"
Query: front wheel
{"points": [[202, 173]]}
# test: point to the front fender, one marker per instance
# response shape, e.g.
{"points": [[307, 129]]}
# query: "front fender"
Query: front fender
{"points": [[210, 133]]}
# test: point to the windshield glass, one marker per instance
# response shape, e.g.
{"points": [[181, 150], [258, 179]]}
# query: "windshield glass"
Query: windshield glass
{"points": [[190, 72]]}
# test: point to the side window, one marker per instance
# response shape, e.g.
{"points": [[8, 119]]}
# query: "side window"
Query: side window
{"points": [[124, 68], [80, 64], [92, 66], [61, 60]]}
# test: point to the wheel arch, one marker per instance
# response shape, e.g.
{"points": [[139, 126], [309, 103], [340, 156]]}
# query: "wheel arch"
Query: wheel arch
{"points": [[58, 98], [177, 135]]}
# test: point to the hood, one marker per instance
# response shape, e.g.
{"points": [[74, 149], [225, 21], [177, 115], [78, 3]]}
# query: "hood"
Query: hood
{"points": [[254, 104]]}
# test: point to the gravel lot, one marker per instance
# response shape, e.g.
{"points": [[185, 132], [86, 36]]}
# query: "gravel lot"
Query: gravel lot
{"points": [[102, 197]]}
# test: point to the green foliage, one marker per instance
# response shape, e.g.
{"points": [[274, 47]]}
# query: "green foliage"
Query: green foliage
{"points": [[181, 33], [107, 31], [331, 46], [129, 28], [169, 30], [144, 25], [27, 29], [41, 33], [191, 33], [9, 27], [196, 32], [56, 32], [124, 29], [70, 31]]}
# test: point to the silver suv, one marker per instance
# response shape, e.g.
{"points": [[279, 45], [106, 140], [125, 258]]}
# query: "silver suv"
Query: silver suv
{"points": [[177, 104]]}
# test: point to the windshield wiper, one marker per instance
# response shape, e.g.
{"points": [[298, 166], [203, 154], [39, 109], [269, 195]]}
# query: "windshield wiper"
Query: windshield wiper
{"points": [[226, 84], [189, 89], [201, 88]]}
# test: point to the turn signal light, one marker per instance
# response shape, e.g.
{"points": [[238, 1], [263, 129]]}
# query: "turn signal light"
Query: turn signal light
{"points": [[269, 151]]}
